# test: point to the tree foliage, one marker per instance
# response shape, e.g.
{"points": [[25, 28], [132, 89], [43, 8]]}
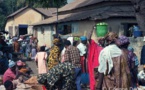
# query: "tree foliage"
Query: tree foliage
{"points": [[42, 3]]}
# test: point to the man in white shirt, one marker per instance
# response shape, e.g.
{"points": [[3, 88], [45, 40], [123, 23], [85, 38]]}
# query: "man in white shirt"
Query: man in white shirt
{"points": [[83, 53], [83, 46], [141, 76]]}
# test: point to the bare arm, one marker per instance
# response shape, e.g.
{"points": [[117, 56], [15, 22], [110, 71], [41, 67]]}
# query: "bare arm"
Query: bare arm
{"points": [[90, 34]]}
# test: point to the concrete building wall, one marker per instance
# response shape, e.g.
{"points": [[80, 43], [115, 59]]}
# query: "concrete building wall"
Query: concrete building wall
{"points": [[27, 17], [46, 37], [10, 22], [85, 27], [115, 24]]}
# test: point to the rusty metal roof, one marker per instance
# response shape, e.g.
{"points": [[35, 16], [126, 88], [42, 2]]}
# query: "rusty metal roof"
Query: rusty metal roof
{"points": [[94, 14]]}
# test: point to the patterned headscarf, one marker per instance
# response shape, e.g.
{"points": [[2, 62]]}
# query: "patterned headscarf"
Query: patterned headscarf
{"points": [[56, 41], [123, 40], [111, 35]]}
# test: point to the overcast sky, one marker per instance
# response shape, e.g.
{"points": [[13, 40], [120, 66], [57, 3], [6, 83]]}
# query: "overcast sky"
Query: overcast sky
{"points": [[69, 1]]}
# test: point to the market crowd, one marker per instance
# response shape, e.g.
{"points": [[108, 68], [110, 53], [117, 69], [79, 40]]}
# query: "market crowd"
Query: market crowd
{"points": [[73, 63]]}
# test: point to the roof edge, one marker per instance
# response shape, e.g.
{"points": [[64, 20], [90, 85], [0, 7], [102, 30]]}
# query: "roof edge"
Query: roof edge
{"points": [[24, 8]]}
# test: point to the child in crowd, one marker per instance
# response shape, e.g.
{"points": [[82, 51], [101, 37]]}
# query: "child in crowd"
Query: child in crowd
{"points": [[33, 53]]}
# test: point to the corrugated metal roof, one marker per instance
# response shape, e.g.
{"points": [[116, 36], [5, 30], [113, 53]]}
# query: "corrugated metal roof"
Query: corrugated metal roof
{"points": [[47, 12], [82, 3], [99, 13]]}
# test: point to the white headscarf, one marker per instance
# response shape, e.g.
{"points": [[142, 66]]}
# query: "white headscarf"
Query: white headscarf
{"points": [[106, 55], [70, 39]]}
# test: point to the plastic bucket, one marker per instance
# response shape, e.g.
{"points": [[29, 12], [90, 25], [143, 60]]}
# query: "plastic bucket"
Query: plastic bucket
{"points": [[137, 33], [101, 30]]}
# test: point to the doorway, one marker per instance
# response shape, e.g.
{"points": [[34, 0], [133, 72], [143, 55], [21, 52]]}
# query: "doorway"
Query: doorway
{"points": [[128, 29], [23, 29]]}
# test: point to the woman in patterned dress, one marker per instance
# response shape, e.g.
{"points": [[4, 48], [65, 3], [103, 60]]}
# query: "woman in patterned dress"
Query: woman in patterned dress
{"points": [[53, 58]]}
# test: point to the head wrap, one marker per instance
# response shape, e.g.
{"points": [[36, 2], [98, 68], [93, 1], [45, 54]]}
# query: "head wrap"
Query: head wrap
{"points": [[130, 49], [20, 63], [11, 64], [83, 38], [20, 39], [111, 35], [55, 41], [123, 40]]}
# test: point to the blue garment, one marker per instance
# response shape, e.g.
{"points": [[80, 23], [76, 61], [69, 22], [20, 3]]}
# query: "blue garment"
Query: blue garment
{"points": [[78, 78], [136, 61], [134, 57], [143, 56], [85, 78]]}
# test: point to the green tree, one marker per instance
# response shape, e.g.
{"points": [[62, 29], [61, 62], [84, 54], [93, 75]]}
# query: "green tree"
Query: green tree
{"points": [[41, 3]]}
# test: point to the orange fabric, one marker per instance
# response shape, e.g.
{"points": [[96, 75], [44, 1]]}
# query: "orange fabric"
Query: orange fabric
{"points": [[23, 70], [16, 46]]}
